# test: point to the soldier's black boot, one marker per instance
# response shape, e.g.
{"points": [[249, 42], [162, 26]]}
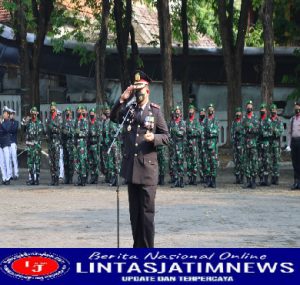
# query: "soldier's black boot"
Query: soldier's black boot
{"points": [[161, 180], [242, 179], [266, 180], [181, 183], [261, 181], [37, 180], [83, 180], [208, 182], [194, 180], [237, 179], [176, 183], [213, 182], [56, 180], [190, 182], [253, 183], [113, 181], [276, 181], [67, 180], [79, 182], [32, 182], [247, 184], [52, 183], [93, 179]]}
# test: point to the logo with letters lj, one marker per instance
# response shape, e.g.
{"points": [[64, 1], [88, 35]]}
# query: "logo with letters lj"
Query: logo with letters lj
{"points": [[35, 266]]}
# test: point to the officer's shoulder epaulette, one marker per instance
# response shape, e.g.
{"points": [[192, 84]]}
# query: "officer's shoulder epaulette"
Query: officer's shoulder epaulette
{"points": [[155, 105]]}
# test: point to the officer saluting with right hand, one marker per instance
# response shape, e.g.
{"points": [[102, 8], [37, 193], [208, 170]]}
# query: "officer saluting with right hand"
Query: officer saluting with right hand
{"points": [[144, 130]]}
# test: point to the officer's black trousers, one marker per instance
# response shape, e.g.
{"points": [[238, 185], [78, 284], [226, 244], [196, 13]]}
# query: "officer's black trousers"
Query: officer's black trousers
{"points": [[141, 209], [295, 153]]}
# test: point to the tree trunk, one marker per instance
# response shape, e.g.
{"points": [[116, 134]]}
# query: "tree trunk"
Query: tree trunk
{"points": [[233, 53], [185, 57], [20, 24], [100, 56], [267, 84], [135, 57], [166, 53], [123, 24]]}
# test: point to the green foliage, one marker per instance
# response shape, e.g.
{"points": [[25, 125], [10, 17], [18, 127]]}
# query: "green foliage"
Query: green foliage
{"points": [[254, 36]]}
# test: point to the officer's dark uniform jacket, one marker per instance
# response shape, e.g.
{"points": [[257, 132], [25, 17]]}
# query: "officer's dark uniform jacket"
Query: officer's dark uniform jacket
{"points": [[14, 131], [4, 133], [139, 164]]}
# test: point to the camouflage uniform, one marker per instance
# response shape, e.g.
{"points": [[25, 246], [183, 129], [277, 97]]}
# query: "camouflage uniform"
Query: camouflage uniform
{"points": [[53, 132], [94, 147], [178, 136], [34, 133], [202, 158], [211, 134], [81, 137], [171, 148], [162, 152], [114, 158], [238, 143], [277, 130], [68, 140], [192, 135], [264, 136], [250, 129]]}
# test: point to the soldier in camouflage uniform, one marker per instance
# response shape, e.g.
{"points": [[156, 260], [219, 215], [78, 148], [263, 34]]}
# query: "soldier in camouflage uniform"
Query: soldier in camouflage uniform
{"points": [[237, 138], [277, 130], [264, 137], [192, 135], [171, 149], [178, 136], [201, 146], [68, 140], [53, 132], [34, 132], [211, 134], [81, 137], [250, 129], [114, 158], [162, 152], [94, 146], [105, 143]]}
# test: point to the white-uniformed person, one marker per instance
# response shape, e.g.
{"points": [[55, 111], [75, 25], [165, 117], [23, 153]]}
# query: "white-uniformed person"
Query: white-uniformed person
{"points": [[13, 146], [5, 142]]}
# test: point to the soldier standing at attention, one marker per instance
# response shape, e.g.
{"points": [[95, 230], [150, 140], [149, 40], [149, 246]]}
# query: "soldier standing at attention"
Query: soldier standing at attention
{"points": [[294, 145], [277, 130], [171, 148], [264, 137], [250, 126], [13, 146], [68, 140], [81, 136], [34, 133], [162, 152], [105, 143], [93, 146], [178, 137], [237, 138], [201, 146], [53, 133], [211, 134], [144, 131], [192, 135]]}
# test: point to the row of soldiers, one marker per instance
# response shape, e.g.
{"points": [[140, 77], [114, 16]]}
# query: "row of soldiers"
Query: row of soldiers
{"points": [[85, 141], [256, 147]]}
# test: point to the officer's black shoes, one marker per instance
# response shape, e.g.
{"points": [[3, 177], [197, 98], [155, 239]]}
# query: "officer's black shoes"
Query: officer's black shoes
{"points": [[213, 182], [296, 185], [161, 180], [253, 183], [248, 183]]}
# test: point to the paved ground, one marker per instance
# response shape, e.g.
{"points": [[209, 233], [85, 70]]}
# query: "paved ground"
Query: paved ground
{"points": [[68, 216]]}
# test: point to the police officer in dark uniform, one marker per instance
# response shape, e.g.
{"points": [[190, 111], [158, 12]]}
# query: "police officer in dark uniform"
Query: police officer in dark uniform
{"points": [[144, 130]]}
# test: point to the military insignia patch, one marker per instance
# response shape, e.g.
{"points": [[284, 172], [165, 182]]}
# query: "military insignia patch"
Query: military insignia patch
{"points": [[137, 77]]}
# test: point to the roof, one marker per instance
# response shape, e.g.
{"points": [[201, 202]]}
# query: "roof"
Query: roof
{"points": [[4, 14]]}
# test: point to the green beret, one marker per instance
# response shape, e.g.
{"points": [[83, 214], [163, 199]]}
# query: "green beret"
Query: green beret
{"points": [[202, 110], [68, 109], [53, 104], [263, 106], [238, 109], [177, 108], [273, 106], [93, 110], [191, 106], [33, 109], [211, 105], [249, 102]]}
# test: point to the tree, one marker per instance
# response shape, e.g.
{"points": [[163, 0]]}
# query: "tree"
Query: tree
{"points": [[232, 47], [268, 71], [100, 48], [166, 53]]}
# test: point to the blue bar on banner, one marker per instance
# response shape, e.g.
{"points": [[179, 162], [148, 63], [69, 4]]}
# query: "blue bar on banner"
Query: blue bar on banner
{"points": [[156, 266]]}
